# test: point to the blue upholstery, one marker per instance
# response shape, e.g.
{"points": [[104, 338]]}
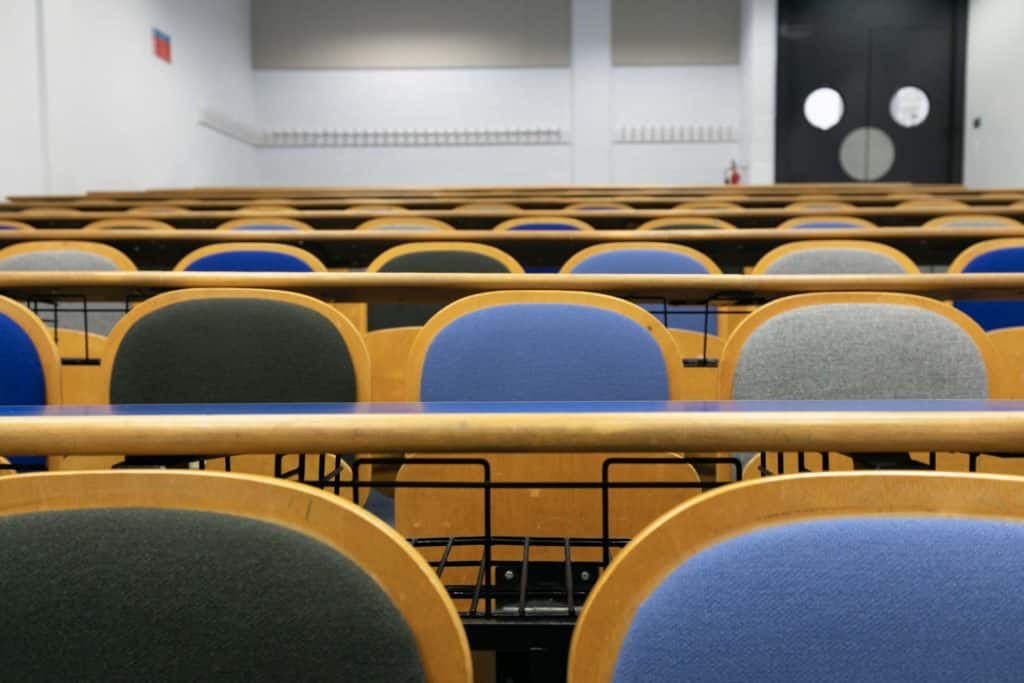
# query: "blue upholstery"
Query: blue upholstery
{"points": [[655, 262], [264, 226], [4, 226], [992, 315], [825, 224], [543, 352], [250, 261], [23, 380], [22, 371], [545, 225], [870, 599]]}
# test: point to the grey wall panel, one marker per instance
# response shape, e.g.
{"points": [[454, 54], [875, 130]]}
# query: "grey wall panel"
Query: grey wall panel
{"points": [[675, 32], [361, 34]]}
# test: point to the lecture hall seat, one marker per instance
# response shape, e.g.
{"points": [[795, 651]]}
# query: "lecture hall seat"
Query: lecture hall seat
{"points": [[189, 576], [861, 346], [879, 576], [541, 346]]}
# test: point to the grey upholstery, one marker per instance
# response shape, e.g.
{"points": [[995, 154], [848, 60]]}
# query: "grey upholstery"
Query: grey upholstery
{"points": [[859, 351], [385, 316], [232, 350], [68, 314], [834, 261], [138, 594]]}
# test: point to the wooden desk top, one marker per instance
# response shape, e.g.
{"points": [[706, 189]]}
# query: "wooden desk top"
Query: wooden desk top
{"points": [[851, 426], [730, 249], [485, 220], [434, 287]]}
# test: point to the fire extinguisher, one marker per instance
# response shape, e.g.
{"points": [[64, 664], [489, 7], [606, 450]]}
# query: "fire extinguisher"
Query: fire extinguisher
{"points": [[732, 174]]}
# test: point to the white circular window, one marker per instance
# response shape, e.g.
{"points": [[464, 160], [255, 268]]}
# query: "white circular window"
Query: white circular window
{"points": [[909, 106], [823, 108], [867, 153]]}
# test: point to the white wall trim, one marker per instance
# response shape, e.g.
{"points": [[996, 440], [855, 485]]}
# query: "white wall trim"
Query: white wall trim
{"points": [[675, 133], [391, 137]]}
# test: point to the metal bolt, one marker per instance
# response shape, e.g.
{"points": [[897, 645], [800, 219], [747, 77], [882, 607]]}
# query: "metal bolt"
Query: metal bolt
{"points": [[584, 575], [509, 575]]}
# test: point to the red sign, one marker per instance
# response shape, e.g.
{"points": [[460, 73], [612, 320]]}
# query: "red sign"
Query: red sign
{"points": [[162, 45]]}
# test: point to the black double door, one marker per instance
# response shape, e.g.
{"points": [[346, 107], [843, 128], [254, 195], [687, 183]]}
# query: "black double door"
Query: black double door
{"points": [[897, 66]]}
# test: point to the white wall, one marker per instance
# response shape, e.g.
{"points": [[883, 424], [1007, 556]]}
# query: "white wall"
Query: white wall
{"points": [[759, 20], [706, 96], [375, 99], [22, 169], [591, 101], [121, 118], [994, 153]]}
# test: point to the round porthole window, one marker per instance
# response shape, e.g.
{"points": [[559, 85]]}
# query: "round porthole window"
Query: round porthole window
{"points": [[824, 108], [909, 106], [867, 153]]}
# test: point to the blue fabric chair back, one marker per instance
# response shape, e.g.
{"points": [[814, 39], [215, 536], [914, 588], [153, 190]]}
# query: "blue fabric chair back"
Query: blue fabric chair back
{"points": [[825, 224], [992, 315], [23, 381], [545, 225], [543, 352], [250, 261], [840, 599], [655, 262]]}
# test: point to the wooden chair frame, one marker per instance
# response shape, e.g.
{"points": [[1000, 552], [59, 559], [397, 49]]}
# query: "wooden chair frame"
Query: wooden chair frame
{"points": [[932, 203], [386, 557], [706, 205], [736, 510], [241, 223], [796, 222], [128, 224], [389, 255], [315, 264], [820, 205], [417, 221], [714, 223], [375, 208], [595, 204], [14, 225], [513, 223], [264, 209], [488, 206], [780, 251], [942, 221], [157, 210]]}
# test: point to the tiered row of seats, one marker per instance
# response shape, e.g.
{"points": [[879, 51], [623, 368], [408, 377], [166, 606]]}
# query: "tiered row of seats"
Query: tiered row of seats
{"points": [[418, 223], [227, 346]]}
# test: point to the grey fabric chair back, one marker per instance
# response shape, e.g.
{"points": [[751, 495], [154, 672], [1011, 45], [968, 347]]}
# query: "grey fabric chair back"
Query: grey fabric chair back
{"points": [[141, 594], [233, 350], [828, 261], [69, 314], [849, 351]]}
